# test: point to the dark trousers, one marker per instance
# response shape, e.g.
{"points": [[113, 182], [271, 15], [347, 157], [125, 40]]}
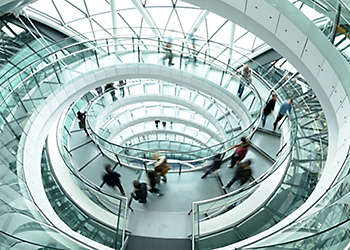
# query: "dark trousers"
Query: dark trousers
{"points": [[263, 119], [278, 118], [240, 89], [234, 178], [234, 158], [210, 170], [120, 187]]}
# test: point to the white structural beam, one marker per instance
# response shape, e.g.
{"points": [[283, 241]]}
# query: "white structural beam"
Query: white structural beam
{"points": [[148, 18], [232, 39], [114, 20]]}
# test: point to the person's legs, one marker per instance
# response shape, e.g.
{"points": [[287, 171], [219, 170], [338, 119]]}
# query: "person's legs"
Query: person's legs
{"points": [[171, 56], [234, 178], [278, 118], [210, 170], [263, 119], [240, 89], [164, 178], [121, 189], [234, 159]]}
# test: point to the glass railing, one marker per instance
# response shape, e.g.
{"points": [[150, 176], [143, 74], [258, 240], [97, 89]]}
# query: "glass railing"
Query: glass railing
{"points": [[77, 219], [114, 204], [299, 181], [327, 228], [34, 87], [114, 123]]}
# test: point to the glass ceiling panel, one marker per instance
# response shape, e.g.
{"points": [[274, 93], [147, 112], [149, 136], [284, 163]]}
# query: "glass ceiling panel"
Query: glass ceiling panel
{"points": [[174, 24], [46, 7], [160, 16], [78, 3], [188, 17], [68, 12], [181, 20], [158, 3], [131, 17], [98, 6]]}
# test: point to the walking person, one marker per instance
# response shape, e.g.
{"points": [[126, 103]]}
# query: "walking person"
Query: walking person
{"points": [[161, 166], [192, 38], [243, 173], [140, 191], [82, 121], [168, 52], [110, 87], [270, 106], [241, 151], [285, 107], [153, 179], [245, 79], [214, 166], [157, 123], [122, 83], [112, 178]]}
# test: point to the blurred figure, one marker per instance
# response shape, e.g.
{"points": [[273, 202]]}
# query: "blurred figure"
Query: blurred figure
{"points": [[285, 107], [164, 124], [168, 52], [99, 90], [243, 173], [160, 166], [112, 178], [122, 83], [270, 106], [214, 166], [153, 179], [241, 151], [82, 121], [140, 191], [157, 123], [192, 38], [110, 87], [245, 79]]}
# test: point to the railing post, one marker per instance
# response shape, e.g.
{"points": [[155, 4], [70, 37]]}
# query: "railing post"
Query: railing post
{"points": [[158, 49], [118, 220], [116, 156], [181, 56], [97, 62], [144, 163], [180, 169], [107, 47], [193, 225], [138, 54], [133, 44], [198, 226]]}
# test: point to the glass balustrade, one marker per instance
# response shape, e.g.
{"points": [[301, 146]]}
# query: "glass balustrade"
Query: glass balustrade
{"points": [[36, 81]]}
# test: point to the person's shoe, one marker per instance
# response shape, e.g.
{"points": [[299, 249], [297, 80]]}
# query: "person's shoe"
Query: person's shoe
{"points": [[123, 194], [203, 177], [170, 64]]}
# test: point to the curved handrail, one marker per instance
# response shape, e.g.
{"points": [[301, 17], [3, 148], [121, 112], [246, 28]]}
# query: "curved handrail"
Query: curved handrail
{"points": [[144, 151]]}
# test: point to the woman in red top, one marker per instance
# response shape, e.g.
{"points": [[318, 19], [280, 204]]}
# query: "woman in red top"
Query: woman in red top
{"points": [[241, 151]]}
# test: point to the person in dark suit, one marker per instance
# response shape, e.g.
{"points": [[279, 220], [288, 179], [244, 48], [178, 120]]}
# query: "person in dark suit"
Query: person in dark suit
{"points": [[270, 106], [112, 179]]}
